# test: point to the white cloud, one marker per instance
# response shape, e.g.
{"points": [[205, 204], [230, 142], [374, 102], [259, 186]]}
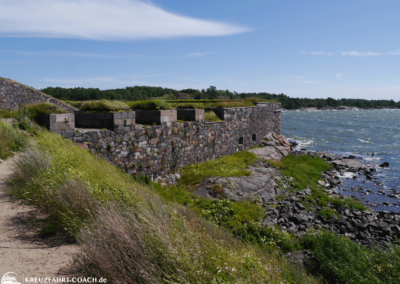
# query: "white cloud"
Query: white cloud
{"points": [[63, 53], [319, 53], [199, 54], [102, 20], [339, 76], [396, 52], [357, 53]]}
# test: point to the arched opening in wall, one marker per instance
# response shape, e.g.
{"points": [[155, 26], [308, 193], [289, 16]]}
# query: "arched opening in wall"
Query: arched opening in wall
{"points": [[254, 137], [241, 141]]}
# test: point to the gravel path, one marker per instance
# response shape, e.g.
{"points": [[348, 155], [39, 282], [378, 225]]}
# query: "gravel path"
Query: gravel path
{"points": [[22, 251]]}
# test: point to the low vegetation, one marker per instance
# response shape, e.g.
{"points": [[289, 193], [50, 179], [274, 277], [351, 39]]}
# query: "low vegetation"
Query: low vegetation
{"points": [[340, 260], [128, 232], [5, 113], [11, 139], [35, 111], [306, 172], [228, 166], [150, 105], [100, 106], [210, 116]]}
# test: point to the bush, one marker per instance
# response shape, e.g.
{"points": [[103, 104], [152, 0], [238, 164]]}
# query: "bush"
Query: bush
{"points": [[340, 260], [11, 139]]}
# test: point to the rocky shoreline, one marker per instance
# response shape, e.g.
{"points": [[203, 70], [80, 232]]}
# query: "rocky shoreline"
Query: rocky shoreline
{"points": [[285, 208]]}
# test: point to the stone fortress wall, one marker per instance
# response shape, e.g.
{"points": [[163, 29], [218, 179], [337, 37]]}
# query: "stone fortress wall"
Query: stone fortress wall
{"points": [[162, 149], [14, 94]]}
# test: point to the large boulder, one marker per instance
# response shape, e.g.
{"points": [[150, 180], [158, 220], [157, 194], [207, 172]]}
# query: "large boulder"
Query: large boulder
{"points": [[275, 147]]}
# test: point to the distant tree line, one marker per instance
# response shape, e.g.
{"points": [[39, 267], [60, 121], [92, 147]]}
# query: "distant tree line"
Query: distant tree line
{"points": [[144, 92], [296, 103]]}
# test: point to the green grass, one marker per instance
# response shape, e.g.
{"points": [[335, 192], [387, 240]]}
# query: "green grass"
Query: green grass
{"points": [[210, 116], [11, 139], [151, 105], [35, 111], [327, 213], [307, 171], [340, 260], [127, 232], [101, 106], [242, 218], [228, 166], [5, 113]]}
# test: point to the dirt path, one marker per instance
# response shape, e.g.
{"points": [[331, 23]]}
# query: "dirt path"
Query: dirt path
{"points": [[22, 251]]}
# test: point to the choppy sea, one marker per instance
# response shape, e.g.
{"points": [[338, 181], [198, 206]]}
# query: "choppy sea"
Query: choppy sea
{"points": [[370, 135]]}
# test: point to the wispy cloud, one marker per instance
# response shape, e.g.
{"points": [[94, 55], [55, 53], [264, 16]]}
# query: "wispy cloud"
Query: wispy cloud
{"points": [[102, 20], [396, 52], [67, 54], [339, 76], [357, 53], [318, 53], [199, 54], [322, 53], [62, 53]]}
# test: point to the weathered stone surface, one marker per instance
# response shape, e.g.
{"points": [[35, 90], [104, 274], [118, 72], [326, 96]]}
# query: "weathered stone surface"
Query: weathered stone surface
{"points": [[260, 186], [14, 94], [349, 163]]}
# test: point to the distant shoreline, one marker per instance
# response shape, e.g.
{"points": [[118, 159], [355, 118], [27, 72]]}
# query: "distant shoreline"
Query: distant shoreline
{"points": [[335, 108]]}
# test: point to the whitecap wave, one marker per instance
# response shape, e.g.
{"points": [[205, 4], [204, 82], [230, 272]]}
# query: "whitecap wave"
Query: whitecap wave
{"points": [[363, 141]]}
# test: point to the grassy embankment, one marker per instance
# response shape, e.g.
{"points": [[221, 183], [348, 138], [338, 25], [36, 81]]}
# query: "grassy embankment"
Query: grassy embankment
{"points": [[127, 232]]}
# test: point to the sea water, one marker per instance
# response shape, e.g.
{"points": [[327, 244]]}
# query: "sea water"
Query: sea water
{"points": [[370, 135]]}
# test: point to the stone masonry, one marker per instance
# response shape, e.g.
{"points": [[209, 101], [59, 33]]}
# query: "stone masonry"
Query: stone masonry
{"points": [[161, 149], [13, 94]]}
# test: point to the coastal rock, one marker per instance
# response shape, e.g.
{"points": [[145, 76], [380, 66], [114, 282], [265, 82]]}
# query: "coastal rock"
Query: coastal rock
{"points": [[260, 186], [384, 165]]}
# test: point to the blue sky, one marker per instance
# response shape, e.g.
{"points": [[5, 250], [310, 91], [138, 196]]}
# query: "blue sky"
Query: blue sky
{"points": [[315, 49]]}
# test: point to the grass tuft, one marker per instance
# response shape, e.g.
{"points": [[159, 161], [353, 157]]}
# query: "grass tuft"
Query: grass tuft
{"points": [[210, 116], [340, 260], [11, 139], [101, 106], [151, 105], [35, 111], [228, 166]]}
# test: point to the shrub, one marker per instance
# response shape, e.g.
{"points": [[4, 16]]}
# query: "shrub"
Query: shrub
{"points": [[11, 139]]}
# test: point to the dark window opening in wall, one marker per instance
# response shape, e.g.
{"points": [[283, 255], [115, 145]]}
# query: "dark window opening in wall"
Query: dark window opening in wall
{"points": [[254, 137], [240, 140]]}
